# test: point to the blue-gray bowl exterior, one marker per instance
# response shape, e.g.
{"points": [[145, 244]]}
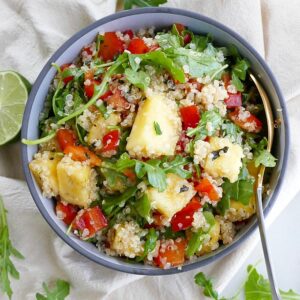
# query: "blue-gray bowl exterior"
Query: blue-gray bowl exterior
{"points": [[136, 19]]}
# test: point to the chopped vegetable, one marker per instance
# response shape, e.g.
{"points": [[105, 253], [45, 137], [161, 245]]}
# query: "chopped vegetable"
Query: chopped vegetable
{"points": [[66, 212], [190, 116]]}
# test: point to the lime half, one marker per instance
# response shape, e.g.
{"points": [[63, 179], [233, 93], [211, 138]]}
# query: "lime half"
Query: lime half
{"points": [[13, 96]]}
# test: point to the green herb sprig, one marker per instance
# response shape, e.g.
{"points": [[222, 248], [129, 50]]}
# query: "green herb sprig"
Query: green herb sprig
{"points": [[59, 292], [7, 268]]}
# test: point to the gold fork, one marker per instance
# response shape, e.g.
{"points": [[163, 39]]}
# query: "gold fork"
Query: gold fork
{"points": [[259, 188]]}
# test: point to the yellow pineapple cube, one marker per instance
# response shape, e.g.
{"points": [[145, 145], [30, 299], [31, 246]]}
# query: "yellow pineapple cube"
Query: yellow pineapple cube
{"points": [[171, 200], [76, 182], [228, 162], [43, 168], [144, 140]]}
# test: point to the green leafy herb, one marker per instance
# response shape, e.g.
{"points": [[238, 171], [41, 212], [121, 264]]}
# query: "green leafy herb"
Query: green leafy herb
{"points": [[206, 284], [265, 158], [239, 72], [150, 243], [111, 202], [128, 4], [232, 131], [201, 42], [195, 242], [124, 162], [241, 191], [210, 122], [176, 166], [143, 206], [157, 128], [159, 59], [139, 79], [258, 288], [7, 250], [169, 40], [59, 292]]}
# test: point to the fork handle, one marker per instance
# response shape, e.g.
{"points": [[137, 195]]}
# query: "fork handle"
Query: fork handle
{"points": [[264, 242]]}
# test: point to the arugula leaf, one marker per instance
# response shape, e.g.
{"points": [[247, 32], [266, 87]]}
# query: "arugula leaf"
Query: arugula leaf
{"points": [[111, 202], [124, 162], [143, 206], [156, 176], [175, 31], [207, 286], [128, 4], [239, 72], [157, 128], [140, 79], [258, 288], [265, 158], [210, 122], [169, 40], [237, 82], [160, 59], [176, 166], [150, 243], [201, 42], [232, 131], [7, 250], [60, 291], [195, 242]]}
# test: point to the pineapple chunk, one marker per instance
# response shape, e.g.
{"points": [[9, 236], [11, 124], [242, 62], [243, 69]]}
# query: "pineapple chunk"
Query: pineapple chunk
{"points": [[76, 182], [143, 140], [99, 128], [171, 200], [43, 168], [228, 163]]}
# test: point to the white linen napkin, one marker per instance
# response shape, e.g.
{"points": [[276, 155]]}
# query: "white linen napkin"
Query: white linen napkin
{"points": [[30, 31]]}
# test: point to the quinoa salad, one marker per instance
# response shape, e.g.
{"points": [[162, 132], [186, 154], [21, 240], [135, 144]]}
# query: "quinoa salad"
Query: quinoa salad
{"points": [[150, 145]]}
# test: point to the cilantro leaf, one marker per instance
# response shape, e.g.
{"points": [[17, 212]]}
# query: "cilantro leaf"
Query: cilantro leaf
{"points": [[207, 286], [258, 288], [157, 128], [140, 79], [128, 4], [60, 291], [7, 250], [210, 122]]}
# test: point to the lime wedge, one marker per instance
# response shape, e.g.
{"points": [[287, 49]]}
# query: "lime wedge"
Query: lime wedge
{"points": [[13, 96]]}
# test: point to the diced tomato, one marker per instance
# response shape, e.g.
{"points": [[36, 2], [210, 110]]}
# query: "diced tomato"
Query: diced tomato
{"points": [[66, 212], [81, 153], [190, 116], [106, 95], [69, 78], [111, 141], [129, 32], [89, 221], [111, 46], [206, 187], [184, 218], [89, 88], [130, 174], [233, 100], [226, 79], [88, 50], [65, 137], [245, 120], [187, 38], [171, 252], [180, 27], [117, 101], [137, 46]]}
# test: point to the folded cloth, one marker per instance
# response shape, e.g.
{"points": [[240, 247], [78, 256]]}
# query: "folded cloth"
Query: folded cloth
{"points": [[31, 30]]}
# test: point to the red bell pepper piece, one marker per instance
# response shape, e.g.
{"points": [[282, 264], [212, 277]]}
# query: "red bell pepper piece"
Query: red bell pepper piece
{"points": [[111, 46], [184, 218], [111, 141], [66, 212], [65, 137], [137, 46], [190, 116], [245, 120], [206, 187], [89, 221]]}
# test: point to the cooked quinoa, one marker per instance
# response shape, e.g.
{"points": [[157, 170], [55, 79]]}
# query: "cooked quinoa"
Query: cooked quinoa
{"points": [[151, 145]]}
